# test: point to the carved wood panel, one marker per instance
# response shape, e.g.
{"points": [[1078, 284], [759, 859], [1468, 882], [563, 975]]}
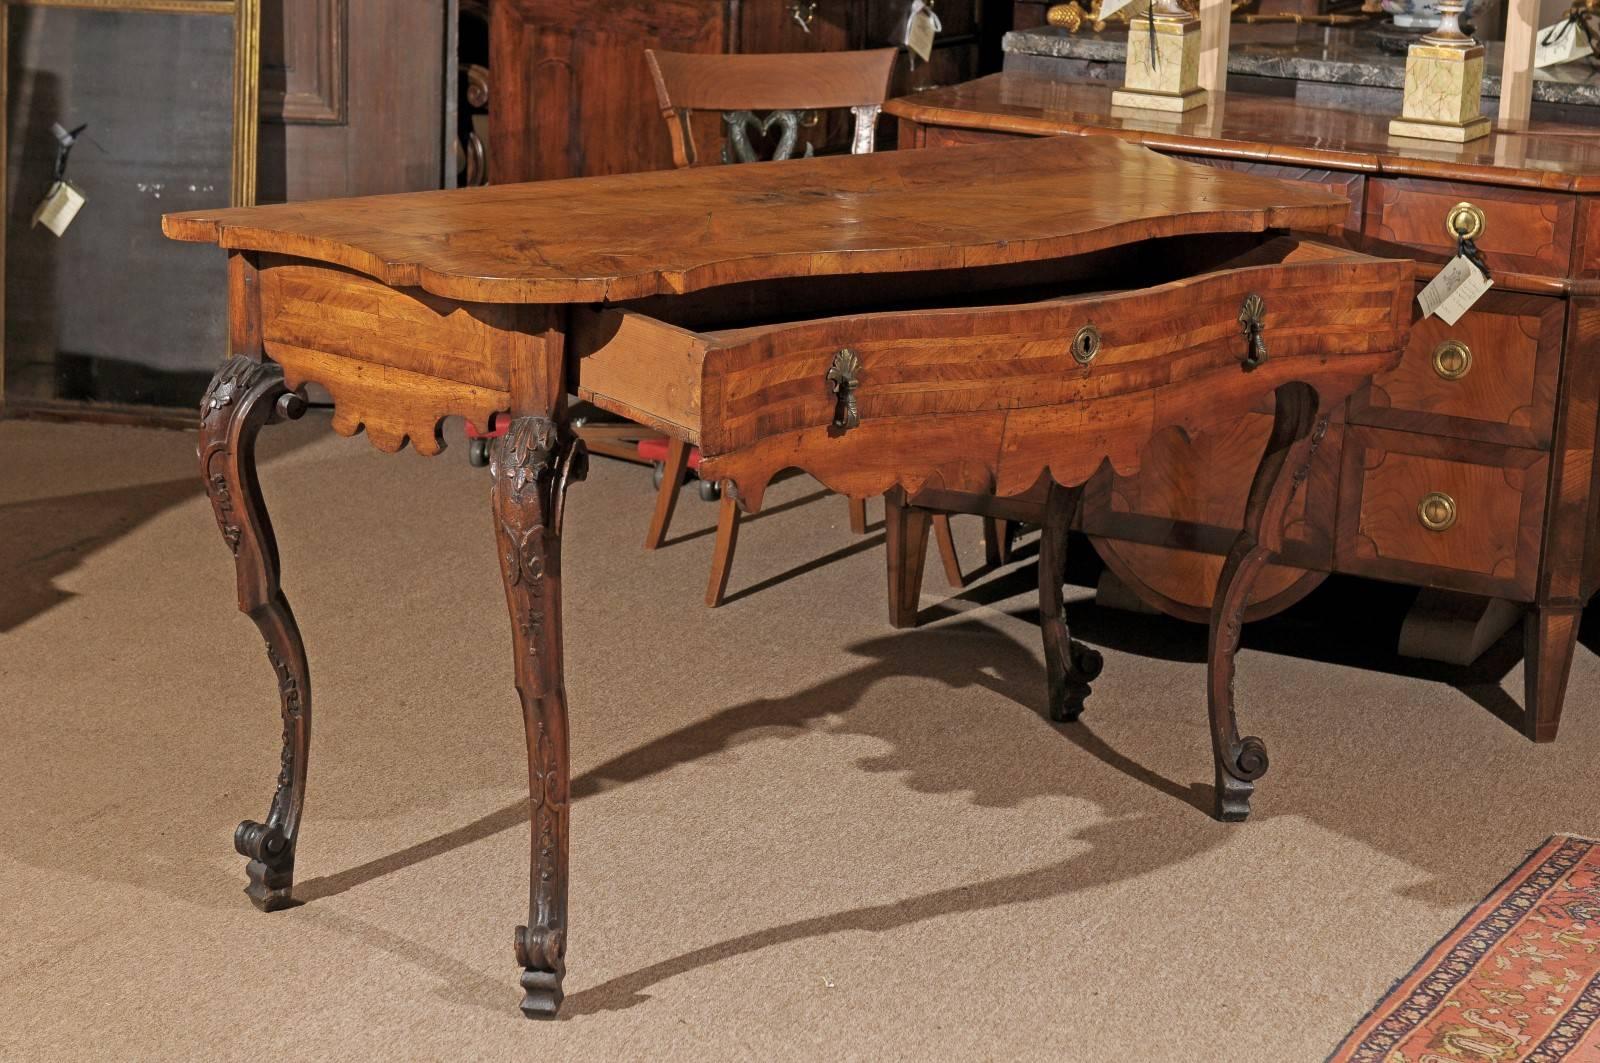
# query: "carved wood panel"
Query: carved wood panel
{"points": [[303, 67]]}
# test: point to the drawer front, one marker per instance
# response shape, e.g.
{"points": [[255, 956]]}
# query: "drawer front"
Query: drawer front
{"points": [[763, 381], [1350, 185], [987, 398], [1522, 231], [1491, 376], [1440, 512]]}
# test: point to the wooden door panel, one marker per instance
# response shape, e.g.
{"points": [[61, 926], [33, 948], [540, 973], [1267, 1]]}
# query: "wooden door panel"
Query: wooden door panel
{"points": [[571, 94]]}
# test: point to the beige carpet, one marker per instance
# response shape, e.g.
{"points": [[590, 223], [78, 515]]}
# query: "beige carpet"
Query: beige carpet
{"points": [[798, 834]]}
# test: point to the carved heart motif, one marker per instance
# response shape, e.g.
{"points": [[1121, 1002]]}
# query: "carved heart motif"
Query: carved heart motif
{"points": [[740, 124]]}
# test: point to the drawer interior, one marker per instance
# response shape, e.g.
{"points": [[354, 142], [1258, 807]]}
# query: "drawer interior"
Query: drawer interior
{"points": [[1142, 265]]}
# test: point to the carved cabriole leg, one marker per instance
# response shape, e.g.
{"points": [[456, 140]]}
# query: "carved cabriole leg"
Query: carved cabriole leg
{"points": [[531, 466], [1296, 433], [244, 396], [1070, 666], [1549, 638]]}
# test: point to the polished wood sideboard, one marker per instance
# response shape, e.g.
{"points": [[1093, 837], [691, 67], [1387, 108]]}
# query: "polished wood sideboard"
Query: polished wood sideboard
{"points": [[571, 97], [1469, 469]]}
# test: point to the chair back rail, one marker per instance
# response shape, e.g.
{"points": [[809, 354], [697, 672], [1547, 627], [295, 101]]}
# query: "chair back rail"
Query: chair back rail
{"points": [[688, 82]]}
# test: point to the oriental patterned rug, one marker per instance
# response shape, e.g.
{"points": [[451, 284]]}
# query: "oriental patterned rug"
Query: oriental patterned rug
{"points": [[1517, 980]]}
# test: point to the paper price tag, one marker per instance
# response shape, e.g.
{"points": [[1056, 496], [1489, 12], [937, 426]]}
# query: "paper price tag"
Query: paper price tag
{"points": [[1560, 43], [1454, 290], [921, 26], [59, 206]]}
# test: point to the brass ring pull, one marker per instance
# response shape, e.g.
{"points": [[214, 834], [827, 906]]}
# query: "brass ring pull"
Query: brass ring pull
{"points": [[1465, 221], [1437, 511], [1452, 360], [1086, 345]]}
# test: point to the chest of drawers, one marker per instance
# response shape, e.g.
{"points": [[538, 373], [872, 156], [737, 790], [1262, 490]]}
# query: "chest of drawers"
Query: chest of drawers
{"points": [[1468, 470]]}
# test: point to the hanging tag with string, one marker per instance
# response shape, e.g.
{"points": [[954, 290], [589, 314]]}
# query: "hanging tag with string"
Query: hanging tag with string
{"points": [[1571, 38], [921, 27], [62, 203], [1461, 283]]}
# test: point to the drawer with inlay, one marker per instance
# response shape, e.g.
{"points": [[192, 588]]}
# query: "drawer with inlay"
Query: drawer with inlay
{"points": [[994, 393], [1440, 512], [1491, 376], [1520, 230]]}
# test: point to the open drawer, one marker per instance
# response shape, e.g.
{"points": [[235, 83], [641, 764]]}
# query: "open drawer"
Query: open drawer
{"points": [[986, 389]]}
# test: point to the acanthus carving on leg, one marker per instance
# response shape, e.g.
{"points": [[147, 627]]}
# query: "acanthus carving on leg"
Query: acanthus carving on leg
{"points": [[531, 467], [243, 397], [1070, 666], [1284, 467]]}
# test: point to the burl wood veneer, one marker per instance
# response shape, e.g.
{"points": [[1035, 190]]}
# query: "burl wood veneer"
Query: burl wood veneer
{"points": [[1468, 469], [1004, 320]]}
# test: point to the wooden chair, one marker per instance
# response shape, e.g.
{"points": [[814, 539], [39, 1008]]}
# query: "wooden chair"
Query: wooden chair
{"points": [[783, 86]]}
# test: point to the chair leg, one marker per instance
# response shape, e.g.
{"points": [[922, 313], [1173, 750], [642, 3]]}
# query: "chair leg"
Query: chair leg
{"points": [[906, 547], [858, 516], [667, 496], [947, 551], [997, 534], [722, 554]]}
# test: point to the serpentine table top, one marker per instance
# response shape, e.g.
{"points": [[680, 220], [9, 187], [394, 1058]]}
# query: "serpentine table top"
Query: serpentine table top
{"points": [[1002, 319], [675, 231]]}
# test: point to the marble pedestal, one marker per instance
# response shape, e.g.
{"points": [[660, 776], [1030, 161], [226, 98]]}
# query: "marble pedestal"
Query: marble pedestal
{"points": [[1444, 84], [1167, 78]]}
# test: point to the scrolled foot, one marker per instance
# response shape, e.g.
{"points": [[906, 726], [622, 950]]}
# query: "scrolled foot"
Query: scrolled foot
{"points": [[271, 867], [1087, 662], [1071, 689], [542, 955], [1236, 779]]}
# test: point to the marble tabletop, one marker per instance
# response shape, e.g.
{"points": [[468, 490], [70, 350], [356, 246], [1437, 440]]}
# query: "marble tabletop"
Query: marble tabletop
{"points": [[1335, 55]]}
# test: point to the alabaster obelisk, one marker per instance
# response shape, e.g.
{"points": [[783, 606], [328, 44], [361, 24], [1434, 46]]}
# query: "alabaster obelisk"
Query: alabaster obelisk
{"points": [[1444, 84]]}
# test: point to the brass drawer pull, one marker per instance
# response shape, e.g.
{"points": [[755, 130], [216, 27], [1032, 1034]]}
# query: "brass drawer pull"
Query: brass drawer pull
{"points": [[1086, 345], [1465, 221], [1452, 360], [1437, 511], [843, 379]]}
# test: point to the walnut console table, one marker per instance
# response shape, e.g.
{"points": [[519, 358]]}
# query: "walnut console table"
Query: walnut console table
{"points": [[1468, 469], [997, 320]]}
